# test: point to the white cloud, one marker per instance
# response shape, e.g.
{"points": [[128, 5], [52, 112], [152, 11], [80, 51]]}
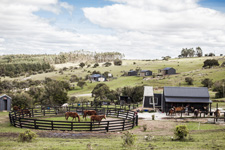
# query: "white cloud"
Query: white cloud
{"points": [[141, 29], [164, 26]]}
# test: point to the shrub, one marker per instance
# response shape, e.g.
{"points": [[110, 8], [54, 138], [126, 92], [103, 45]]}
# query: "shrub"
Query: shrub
{"points": [[96, 65], [27, 136], [117, 62], [207, 82], [189, 80], [153, 117], [210, 62], [181, 131], [82, 64], [144, 127], [128, 139], [107, 64]]}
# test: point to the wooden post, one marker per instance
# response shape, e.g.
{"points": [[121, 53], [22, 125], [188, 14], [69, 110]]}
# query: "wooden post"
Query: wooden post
{"points": [[127, 114], [52, 125], [136, 120], [107, 129], [91, 126], [20, 122], [32, 112], [129, 107], [71, 126], [123, 124], [35, 124], [118, 113], [133, 122], [210, 108], [44, 112]]}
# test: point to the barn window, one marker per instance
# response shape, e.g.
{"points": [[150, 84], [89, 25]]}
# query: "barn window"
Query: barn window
{"points": [[155, 100]]}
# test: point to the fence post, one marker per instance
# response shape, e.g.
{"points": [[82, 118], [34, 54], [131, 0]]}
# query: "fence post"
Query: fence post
{"points": [[136, 120], [118, 111], [133, 122], [200, 114], [107, 126], [20, 122], [127, 114], [35, 124], [52, 125], [44, 112], [123, 124], [224, 116], [91, 126], [32, 112], [71, 126]]}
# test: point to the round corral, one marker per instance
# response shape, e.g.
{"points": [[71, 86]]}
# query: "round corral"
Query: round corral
{"points": [[52, 119]]}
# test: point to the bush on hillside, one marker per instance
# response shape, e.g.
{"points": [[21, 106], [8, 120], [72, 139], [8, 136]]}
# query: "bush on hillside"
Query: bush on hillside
{"points": [[210, 62], [207, 82], [117, 62], [189, 80], [181, 131]]}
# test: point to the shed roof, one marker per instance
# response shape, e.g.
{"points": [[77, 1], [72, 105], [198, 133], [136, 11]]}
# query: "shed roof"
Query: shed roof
{"points": [[148, 91], [5, 96], [168, 68], [145, 70], [96, 75], [132, 71], [187, 100], [197, 92]]}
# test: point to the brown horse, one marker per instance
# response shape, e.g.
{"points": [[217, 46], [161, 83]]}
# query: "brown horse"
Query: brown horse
{"points": [[97, 118], [217, 113], [171, 111], [179, 109], [89, 112], [72, 114], [22, 111], [16, 108]]}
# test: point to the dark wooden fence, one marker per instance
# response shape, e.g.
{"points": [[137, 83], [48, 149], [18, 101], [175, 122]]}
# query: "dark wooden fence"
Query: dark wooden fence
{"points": [[124, 119]]}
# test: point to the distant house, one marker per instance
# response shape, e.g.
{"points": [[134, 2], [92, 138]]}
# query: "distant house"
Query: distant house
{"points": [[132, 73], [144, 73], [168, 71], [5, 103], [125, 100], [97, 77]]}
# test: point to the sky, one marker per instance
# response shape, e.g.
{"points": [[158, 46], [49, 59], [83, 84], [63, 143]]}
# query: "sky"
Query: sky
{"points": [[143, 29]]}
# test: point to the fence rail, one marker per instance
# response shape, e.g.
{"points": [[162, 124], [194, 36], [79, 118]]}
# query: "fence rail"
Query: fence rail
{"points": [[126, 119]]}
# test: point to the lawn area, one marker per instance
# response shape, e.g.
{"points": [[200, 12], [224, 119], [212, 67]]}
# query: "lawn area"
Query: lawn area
{"points": [[203, 136]]}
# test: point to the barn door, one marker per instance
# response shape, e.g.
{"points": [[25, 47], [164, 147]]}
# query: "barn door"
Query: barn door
{"points": [[4, 104], [147, 102]]}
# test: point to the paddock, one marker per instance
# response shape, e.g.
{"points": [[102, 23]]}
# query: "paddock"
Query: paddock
{"points": [[120, 120]]}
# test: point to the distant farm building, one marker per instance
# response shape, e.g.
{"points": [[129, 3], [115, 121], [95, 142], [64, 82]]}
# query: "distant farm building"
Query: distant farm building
{"points": [[151, 99], [168, 71], [144, 73], [5, 103], [125, 100], [97, 77], [197, 97], [132, 73]]}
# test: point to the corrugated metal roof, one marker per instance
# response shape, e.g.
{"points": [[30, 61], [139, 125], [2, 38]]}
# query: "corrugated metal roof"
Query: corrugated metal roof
{"points": [[145, 70], [186, 92], [95, 75], [187, 100], [148, 91], [167, 68]]}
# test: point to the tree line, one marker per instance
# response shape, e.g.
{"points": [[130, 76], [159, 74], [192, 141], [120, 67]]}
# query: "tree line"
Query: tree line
{"points": [[18, 69]]}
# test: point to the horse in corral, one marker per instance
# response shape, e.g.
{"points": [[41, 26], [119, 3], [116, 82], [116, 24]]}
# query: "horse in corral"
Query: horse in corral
{"points": [[97, 118], [192, 109], [178, 109], [171, 111], [72, 114], [196, 112], [217, 113], [16, 108], [89, 112], [22, 111]]}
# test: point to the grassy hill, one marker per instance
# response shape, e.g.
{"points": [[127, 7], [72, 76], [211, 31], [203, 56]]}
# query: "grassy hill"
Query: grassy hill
{"points": [[185, 67]]}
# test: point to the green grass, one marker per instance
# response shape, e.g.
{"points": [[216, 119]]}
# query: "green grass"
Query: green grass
{"points": [[209, 136]]}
